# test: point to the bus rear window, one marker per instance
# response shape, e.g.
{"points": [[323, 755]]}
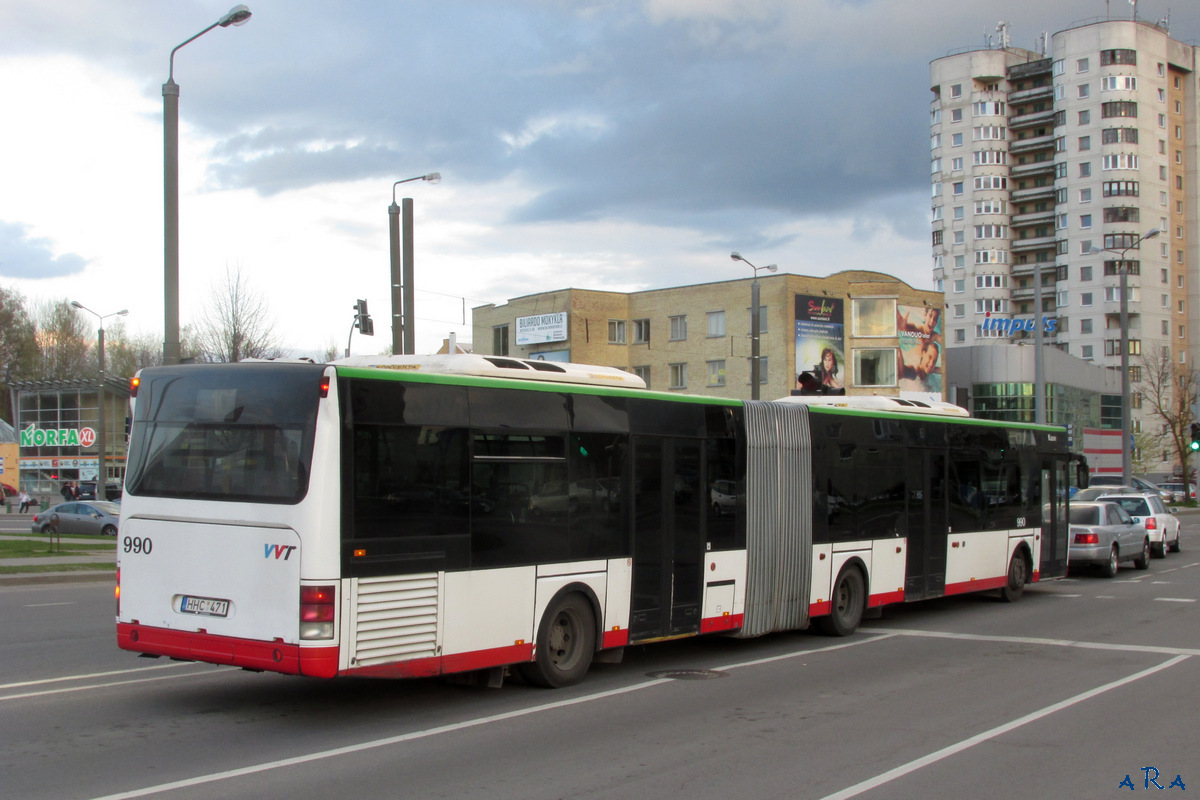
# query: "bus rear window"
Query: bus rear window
{"points": [[232, 432]]}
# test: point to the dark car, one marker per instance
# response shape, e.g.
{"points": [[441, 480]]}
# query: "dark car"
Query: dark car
{"points": [[77, 517], [112, 492]]}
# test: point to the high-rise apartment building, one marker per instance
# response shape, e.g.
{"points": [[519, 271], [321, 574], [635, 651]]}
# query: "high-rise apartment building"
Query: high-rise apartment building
{"points": [[1056, 165]]}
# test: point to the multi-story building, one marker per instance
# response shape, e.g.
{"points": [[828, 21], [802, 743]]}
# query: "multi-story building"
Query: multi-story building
{"points": [[1051, 171], [873, 332]]}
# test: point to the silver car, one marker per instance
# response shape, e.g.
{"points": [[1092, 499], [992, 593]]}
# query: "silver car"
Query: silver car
{"points": [[1148, 511], [1103, 534], [95, 517]]}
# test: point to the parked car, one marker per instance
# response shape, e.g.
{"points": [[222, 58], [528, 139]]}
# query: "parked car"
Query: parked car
{"points": [[1140, 484], [1093, 493], [97, 517], [1177, 488], [9, 489], [1148, 511], [1103, 535], [112, 492]]}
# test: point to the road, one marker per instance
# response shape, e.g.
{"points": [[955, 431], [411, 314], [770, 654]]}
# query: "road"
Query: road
{"points": [[1064, 694]]}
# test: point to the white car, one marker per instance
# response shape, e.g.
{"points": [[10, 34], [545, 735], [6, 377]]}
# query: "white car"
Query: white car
{"points": [[1147, 510]]}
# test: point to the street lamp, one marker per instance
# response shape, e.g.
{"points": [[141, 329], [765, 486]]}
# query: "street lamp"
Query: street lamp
{"points": [[736, 256], [102, 465], [238, 15], [402, 281], [1123, 271]]}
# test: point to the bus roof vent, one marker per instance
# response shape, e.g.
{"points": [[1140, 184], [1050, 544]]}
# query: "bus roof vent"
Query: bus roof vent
{"points": [[500, 367], [879, 403]]}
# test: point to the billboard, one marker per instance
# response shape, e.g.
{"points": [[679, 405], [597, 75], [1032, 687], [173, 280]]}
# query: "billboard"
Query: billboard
{"points": [[542, 328], [919, 330], [821, 339]]}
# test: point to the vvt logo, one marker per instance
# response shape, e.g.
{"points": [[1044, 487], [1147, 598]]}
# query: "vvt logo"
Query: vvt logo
{"points": [[280, 550]]}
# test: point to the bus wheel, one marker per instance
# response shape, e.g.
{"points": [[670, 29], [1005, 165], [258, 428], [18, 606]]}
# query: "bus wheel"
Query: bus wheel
{"points": [[1018, 576], [566, 642], [849, 599]]}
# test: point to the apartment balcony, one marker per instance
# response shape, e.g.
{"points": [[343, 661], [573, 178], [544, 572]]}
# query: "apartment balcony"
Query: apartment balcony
{"points": [[1016, 146], [1032, 218], [1031, 120], [1033, 243], [1036, 193], [1036, 93]]}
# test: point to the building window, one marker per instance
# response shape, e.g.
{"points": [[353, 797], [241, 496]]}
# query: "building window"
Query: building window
{"points": [[956, 90], [500, 340], [641, 331], [1122, 214], [1119, 135], [1085, 220], [762, 319], [1085, 169], [1119, 161], [1085, 326], [1118, 108], [678, 376], [716, 323], [873, 316], [956, 140], [1085, 143], [1120, 188], [616, 331], [1085, 195], [956, 115], [1086, 351], [875, 367], [960, 335], [643, 373], [678, 327], [1125, 83], [1085, 117], [1083, 91], [1085, 273], [716, 373], [1119, 56], [1081, 65]]}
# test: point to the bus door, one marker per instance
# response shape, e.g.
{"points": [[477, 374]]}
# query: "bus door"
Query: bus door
{"points": [[928, 518], [1055, 530], [668, 504]]}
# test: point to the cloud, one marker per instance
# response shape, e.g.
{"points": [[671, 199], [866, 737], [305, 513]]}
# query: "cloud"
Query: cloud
{"points": [[25, 256]]}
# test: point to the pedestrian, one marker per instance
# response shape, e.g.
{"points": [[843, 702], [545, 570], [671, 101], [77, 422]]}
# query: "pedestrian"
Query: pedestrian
{"points": [[26, 501], [66, 492]]}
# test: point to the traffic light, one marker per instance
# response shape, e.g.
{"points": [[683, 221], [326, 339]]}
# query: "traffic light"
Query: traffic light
{"points": [[1195, 445], [364, 323]]}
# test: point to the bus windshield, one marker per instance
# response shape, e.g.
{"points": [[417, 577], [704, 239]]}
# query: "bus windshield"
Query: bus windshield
{"points": [[224, 432]]}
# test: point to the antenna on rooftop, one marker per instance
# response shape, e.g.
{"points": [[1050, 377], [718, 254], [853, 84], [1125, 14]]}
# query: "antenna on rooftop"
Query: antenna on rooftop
{"points": [[1002, 30]]}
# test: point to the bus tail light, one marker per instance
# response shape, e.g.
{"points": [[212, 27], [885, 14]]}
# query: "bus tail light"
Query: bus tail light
{"points": [[134, 383], [117, 592], [317, 610], [1087, 538]]}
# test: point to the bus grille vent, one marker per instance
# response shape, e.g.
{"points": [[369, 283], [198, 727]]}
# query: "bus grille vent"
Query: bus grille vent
{"points": [[397, 619]]}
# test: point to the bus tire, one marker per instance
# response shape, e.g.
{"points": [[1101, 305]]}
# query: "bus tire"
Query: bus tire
{"points": [[848, 601], [566, 642], [1018, 576]]}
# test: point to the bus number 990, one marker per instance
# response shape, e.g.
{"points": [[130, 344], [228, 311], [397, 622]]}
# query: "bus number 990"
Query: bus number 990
{"points": [[136, 544]]}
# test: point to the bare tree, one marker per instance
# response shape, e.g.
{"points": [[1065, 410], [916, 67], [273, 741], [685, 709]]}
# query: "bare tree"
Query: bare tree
{"points": [[236, 325], [1170, 390], [65, 342], [18, 343]]}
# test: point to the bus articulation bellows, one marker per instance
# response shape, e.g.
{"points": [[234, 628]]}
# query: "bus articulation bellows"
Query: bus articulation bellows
{"points": [[406, 516]]}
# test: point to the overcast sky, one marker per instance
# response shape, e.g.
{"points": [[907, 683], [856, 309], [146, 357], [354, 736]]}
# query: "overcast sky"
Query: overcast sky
{"points": [[614, 145]]}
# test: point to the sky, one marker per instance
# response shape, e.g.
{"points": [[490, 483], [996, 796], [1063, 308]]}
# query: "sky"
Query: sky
{"points": [[619, 145]]}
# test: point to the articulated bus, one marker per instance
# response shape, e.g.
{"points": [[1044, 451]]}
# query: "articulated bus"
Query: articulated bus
{"points": [[418, 516]]}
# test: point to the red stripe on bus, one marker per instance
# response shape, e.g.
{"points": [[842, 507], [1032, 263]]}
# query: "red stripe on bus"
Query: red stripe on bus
{"points": [[615, 638], [1037, 576], [290, 659], [725, 622], [885, 598], [444, 665], [820, 609], [981, 585]]}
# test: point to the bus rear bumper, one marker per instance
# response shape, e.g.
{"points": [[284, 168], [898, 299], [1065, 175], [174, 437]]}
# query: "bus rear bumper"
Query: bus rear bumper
{"points": [[290, 659]]}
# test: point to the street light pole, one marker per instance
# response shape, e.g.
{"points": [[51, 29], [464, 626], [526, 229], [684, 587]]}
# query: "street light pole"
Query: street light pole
{"points": [[238, 15], [1126, 419], [403, 303], [101, 443], [754, 326]]}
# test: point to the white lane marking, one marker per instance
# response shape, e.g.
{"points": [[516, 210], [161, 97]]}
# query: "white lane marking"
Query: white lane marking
{"points": [[89, 676], [1174, 600], [44, 605], [458, 726], [93, 686], [979, 637], [1063, 594], [965, 744]]}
